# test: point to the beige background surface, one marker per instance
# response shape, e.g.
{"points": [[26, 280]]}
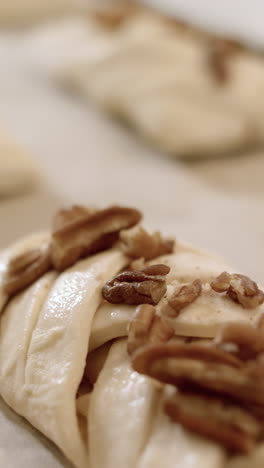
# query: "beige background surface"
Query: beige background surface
{"points": [[84, 157]]}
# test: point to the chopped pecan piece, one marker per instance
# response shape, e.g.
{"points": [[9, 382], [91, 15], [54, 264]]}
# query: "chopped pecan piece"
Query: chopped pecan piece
{"points": [[89, 233], [24, 269], [234, 427], [146, 286], [202, 367], [183, 297], [147, 327], [239, 288], [247, 341], [139, 243], [221, 283]]}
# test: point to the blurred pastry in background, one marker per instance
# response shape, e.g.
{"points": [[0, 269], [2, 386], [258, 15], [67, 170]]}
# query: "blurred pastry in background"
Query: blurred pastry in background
{"points": [[24, 12], [18, 173], [187, 92]]}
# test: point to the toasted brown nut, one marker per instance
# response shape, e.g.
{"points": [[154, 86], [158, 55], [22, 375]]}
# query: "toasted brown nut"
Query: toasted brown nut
{"points": [[139, 326], [239, 288], [146, 327], [139, 243], [144, 358], [248, 341], [70, 215], [146, 286], [89, 233], [160, 270], [221, 283], [197, 366], [233, 427], [26, 268], [183, 297]]}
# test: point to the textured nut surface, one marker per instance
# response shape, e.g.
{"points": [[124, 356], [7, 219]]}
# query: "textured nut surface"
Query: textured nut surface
{"points": [[247, 341], [24, 269], [146, 327], [182, 297], [205, 367], [139, 243], [235, 428], [146, 286], [239, 288], [70, 215], [89, 232], [219, 378], [144, 358], [220, 393]]}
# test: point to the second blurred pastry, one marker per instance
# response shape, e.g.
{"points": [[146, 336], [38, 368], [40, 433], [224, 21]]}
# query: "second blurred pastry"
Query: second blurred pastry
{"points": [[187, 92]]}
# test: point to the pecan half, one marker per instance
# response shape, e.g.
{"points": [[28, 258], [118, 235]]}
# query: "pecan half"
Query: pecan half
{"points": [[213, 379], [24, 269], [201, 367], [247, 341], [89, 233], [234, 427], [70, 215], [144, 358], [139, 243], [182, 297], [147, 327], [146, 286], [239, 288]]}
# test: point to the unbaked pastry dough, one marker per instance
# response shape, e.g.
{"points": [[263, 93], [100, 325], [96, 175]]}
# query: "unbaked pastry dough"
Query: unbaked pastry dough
{"points": [[155, 75], [47, 331]]}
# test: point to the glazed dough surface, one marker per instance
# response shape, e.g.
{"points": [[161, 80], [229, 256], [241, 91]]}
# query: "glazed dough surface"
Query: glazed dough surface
{"points": [[44, 342], [46, 332]]}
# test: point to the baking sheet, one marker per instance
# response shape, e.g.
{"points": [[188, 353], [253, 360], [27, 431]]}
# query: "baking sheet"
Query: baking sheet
{"points": [[86, 158]]}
